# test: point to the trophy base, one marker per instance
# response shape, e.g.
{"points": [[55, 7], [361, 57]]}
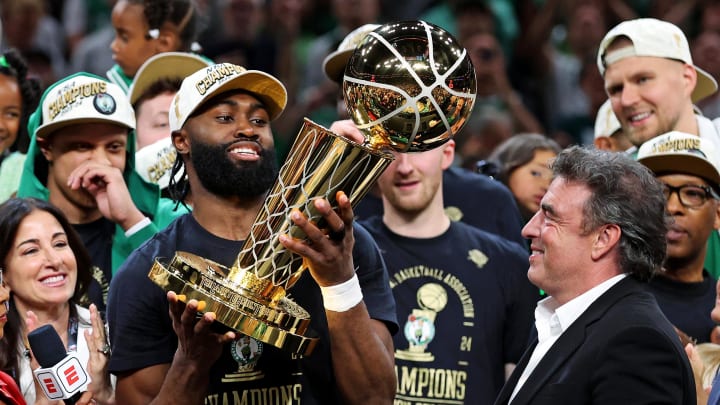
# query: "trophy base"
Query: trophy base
{"points": [[280, 323]]}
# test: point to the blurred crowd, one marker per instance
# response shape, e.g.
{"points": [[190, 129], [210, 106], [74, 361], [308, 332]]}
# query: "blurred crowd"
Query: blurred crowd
{"points": [[535, 60]]}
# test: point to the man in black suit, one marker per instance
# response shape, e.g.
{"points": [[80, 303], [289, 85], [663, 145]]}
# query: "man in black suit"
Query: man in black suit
{"points": [[601, 338]]}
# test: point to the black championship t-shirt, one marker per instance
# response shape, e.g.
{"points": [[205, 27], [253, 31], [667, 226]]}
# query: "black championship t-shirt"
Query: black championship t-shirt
{"points": [[469, 197], [465, 307], [248, 372], [97, 236]]}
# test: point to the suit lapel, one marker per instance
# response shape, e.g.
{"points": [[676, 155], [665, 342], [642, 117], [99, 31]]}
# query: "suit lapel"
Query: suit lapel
{"points": [[568, 342], [507, 389]]}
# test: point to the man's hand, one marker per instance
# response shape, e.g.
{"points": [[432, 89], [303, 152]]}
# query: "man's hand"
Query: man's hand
{"points": [[347, 129], [198, 346], [698, 369], [328, 253], [107, 185]]}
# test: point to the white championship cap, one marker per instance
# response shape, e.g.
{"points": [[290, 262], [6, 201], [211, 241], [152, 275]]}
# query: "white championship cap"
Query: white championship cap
{"points": [[334, 64], [652, 37], [155, 161], [83, 98], [197, 88], [679, 152], [164, 65], [606, 123]]}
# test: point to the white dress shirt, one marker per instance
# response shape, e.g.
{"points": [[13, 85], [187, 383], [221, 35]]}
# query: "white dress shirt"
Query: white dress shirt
{"points": [[552, 320]]}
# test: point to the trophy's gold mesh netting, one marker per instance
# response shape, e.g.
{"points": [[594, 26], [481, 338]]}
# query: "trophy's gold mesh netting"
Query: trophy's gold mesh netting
{"points": [[324, 165]]}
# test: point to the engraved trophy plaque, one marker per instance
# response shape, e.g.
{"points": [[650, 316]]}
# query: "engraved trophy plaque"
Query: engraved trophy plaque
{"points": [[409, 87]]}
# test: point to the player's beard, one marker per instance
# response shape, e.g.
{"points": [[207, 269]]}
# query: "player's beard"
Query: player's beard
{"points": [[228, 178]]}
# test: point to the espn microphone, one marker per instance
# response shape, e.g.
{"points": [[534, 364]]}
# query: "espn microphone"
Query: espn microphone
{"points": [[60, 374]]}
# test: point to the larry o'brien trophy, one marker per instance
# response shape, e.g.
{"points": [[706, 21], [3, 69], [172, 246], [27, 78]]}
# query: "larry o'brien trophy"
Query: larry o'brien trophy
{"points": [[409, 87]]}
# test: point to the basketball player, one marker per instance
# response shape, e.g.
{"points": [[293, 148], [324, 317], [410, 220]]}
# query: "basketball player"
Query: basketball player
{"points": [[462, 294], [162, 352]]}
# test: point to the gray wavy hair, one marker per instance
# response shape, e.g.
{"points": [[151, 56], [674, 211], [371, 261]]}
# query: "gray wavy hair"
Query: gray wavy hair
{"points": [[624, 193]]}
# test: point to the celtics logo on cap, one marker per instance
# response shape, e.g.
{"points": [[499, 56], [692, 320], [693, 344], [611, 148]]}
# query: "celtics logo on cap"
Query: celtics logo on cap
{"points": [[104, 103]]}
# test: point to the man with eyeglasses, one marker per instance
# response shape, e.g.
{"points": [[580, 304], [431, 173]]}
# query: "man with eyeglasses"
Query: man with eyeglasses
{"points": [[652, 83], [688, 167]]}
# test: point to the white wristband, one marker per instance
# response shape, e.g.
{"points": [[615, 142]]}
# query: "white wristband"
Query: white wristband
{"points": [[137, 227], [342, 297]]}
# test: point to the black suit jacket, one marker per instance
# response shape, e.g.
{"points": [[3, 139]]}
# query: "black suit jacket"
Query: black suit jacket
{"points": [[621, 350]]}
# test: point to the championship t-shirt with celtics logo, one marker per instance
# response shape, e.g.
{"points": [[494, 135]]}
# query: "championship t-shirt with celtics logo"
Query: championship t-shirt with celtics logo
{"points": [[248, 371], [465, 308], [471, 198]]}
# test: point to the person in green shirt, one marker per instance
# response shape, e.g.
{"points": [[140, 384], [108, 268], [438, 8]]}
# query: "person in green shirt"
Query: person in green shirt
{"points": [[19, 95], [82, 160], [147, 28]]}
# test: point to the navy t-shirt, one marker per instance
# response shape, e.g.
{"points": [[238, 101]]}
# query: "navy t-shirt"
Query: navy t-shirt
{"points": [[248, 371], [465, 307], [687, 305], [97, 237], [469, 197]]}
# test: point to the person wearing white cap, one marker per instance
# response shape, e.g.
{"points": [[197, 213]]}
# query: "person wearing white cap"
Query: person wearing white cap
{"points": [[151, 92], [608, 132], [651, 80], [81, 159], [652, 83], [686, 293], [688, 168], [163, 353]]}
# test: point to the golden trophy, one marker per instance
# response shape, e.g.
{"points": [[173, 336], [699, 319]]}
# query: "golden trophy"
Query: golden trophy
{"points": [[409, 87]]}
